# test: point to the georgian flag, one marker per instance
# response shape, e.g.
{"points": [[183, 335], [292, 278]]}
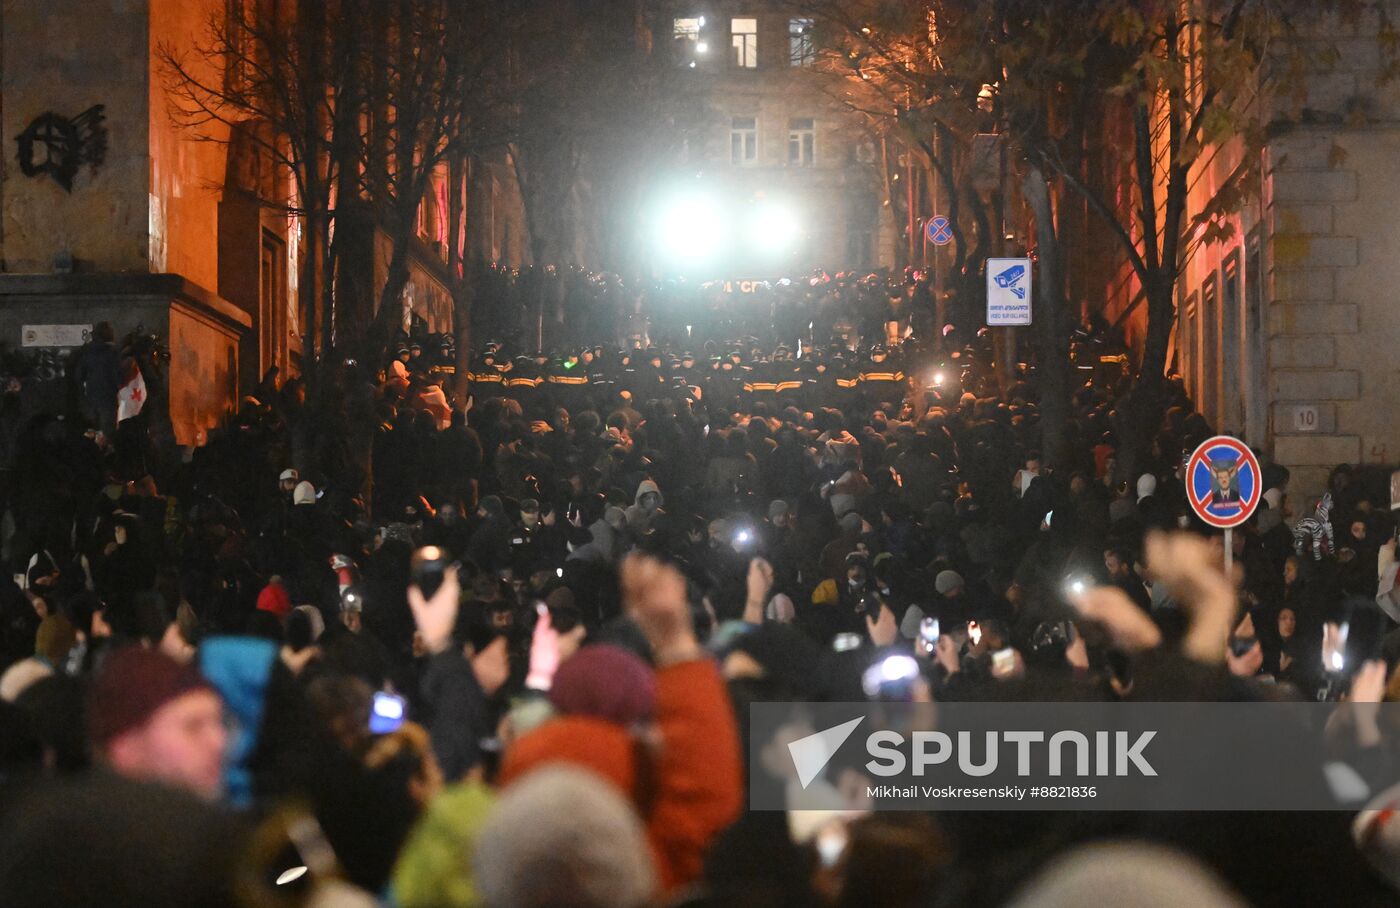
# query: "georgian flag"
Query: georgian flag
{"points": [[131, 396]]}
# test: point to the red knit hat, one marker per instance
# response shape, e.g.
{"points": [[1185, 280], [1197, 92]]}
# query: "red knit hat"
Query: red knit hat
{"points": [[133, 684], [606, 682], [275, 599]]}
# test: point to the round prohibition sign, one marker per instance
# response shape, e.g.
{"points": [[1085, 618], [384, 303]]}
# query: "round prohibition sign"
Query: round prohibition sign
{"points": [[1224, 482], [940, 230]]}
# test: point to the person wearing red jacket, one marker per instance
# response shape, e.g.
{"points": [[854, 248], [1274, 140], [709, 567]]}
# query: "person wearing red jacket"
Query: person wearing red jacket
{"points": [[687, 786]]}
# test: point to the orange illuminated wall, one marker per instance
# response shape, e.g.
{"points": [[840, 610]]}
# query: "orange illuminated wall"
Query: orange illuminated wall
{"points": [[186, 176]]}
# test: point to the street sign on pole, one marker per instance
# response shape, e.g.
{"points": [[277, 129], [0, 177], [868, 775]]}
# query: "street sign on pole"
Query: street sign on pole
{"points": [[940, 230], [1008, 291], [1224, 485], [1223, 482]]}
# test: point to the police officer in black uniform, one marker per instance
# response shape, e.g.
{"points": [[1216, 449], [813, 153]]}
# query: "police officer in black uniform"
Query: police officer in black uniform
{"points": [[600, 377], [567, 380], [686, 377], [787, 375], [523, 382], [881, 379], [485, 376], [446, 365]]}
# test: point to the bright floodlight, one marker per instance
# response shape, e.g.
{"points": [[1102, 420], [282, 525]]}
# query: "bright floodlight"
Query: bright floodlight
{"points": [[702, 48], [773, 228], [690, 228]]}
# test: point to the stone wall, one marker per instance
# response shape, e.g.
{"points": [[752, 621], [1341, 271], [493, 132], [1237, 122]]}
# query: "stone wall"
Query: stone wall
{"points": [[1333, 317], [1316, 365], [65, 56], [1332, 202]]}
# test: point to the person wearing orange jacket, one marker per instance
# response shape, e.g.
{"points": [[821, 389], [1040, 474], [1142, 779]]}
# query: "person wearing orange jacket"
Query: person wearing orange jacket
{"points": [[686, 779]]}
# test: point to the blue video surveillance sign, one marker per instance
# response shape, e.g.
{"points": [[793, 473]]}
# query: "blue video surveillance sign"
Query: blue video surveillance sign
{"points": [[1008, 291]]}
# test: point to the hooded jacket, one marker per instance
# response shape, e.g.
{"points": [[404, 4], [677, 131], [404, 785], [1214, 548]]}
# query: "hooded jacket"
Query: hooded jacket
{"points": [[240, 668], [638, 517]]}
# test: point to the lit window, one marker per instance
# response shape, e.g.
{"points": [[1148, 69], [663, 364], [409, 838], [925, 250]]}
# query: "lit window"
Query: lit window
{"points": [[685, 38], [802, 45], [802, 141], [743, 140], [745, 39]]}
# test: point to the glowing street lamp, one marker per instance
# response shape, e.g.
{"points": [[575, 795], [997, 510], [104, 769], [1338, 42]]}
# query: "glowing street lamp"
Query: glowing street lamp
{"points": [[773, 228], [689, 228]]}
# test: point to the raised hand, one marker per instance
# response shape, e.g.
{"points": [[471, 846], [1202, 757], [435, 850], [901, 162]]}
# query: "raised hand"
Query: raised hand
{"points": [[1367, 692], [760, 583], [1130, 629], [1196, 578], [1248, 665], [544, 652], [1076, 652], [884, 630], [1369, 684], [946, 652], [492, 666], [653, 596], [437, 616]]}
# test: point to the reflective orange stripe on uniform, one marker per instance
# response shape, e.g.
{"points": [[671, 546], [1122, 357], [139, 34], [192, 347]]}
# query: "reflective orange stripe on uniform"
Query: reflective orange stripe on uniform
{"points": [[761, 386], [789, 385], [522, 382], [568, 379], [485, 376]]}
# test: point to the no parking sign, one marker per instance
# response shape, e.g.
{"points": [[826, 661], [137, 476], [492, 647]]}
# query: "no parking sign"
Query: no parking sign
{"points": [[1224, 482]]}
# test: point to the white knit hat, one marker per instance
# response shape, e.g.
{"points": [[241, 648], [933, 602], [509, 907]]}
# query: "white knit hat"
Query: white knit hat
{"points": [[304, 493], [948, 582]]}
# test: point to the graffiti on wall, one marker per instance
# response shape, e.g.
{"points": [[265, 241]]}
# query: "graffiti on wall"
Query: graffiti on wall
{"points": [[58, 146]]}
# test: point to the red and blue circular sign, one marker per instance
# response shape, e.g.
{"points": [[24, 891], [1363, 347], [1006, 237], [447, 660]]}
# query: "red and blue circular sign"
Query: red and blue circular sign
{"points": [[940, 230], [1224, 482]]}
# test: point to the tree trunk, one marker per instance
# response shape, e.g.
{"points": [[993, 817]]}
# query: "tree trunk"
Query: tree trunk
{"points": [[390, 315], [896, 205], [971, 279], [458, 212], [309, 281], [1142, 416], [1050, 332], [327, 290]]}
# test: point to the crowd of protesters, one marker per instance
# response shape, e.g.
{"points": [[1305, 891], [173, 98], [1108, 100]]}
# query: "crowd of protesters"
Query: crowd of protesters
{"points": [[515, 671]]}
